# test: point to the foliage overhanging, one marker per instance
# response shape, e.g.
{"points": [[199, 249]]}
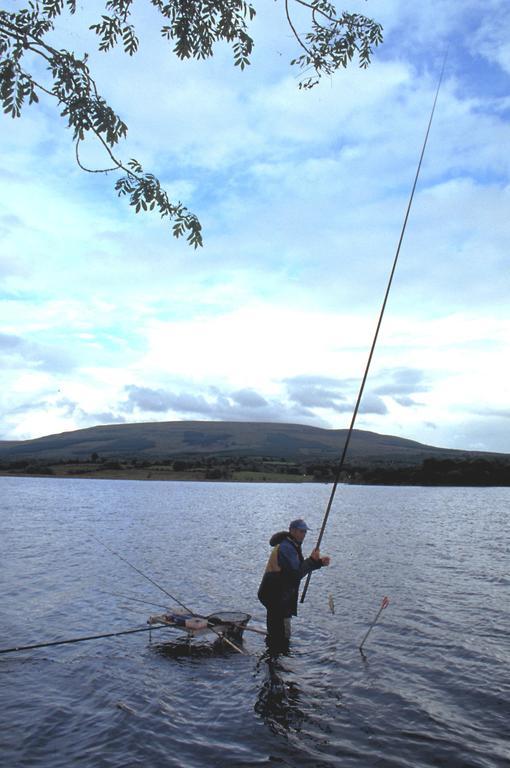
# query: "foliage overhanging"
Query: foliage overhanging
{"points": [[192, 27]]}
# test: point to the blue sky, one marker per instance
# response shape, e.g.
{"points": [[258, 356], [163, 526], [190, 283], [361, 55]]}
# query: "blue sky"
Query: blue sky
{"points": [[105, 317]]}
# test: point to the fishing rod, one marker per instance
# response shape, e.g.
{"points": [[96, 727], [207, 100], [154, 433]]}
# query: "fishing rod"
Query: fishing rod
{"points": [[168, 594], [376, 335], [19, 648], [81, 639]]}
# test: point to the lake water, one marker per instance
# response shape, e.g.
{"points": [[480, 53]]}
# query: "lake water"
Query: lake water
{"points": [[433, 690]]}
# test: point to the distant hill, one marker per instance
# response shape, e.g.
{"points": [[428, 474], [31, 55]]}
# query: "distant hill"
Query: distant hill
{"points": [[184, 439]]}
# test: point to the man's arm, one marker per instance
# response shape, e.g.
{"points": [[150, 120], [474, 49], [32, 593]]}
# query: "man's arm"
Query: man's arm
{"points": [[288, 560], [316, 555]]}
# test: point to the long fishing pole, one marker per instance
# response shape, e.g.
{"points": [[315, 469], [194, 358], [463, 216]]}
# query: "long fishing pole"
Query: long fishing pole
{"points": [[374, 342], [172, 597], [81, 639]]}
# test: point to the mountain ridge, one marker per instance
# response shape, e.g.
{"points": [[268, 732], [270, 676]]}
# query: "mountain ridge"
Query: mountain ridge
{"points": [[175, 439]]}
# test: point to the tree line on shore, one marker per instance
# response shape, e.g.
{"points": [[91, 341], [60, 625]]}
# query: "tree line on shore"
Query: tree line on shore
{"points": [[475, 471]]}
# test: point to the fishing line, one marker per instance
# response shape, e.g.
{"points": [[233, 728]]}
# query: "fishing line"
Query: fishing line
{"points": [[136, 599], [374, 342], [168, 594]]}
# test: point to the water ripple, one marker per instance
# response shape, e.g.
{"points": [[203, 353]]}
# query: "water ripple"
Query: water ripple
{"points": [[432, 690]]}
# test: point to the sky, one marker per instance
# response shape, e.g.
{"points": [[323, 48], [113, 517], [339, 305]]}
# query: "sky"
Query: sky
{"points": [[106, 318]]}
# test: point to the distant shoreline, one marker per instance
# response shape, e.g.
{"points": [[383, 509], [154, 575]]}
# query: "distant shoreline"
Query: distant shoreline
{"points": [[167, 475], [163, 477]]}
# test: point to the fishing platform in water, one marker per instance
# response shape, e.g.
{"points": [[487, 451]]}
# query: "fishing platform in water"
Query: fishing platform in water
{"points": [[225, 625]]}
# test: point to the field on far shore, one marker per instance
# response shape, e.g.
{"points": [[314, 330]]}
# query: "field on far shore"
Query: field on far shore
{"points": [[154, 472], [471, 471]]}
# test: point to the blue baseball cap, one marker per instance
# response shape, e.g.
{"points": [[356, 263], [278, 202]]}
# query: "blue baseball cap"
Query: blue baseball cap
{"points": [[300, 525]]}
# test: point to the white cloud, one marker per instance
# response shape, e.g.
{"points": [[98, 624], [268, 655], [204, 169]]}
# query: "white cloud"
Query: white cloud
{"points": [[491, 39], [302, 196]]}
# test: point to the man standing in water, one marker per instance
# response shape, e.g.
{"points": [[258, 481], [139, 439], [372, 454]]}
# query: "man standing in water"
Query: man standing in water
{"points": [[279, 587]]}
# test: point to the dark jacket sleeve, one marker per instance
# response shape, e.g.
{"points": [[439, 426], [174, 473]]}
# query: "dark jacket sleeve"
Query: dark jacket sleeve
{"points": [[290, 563]]}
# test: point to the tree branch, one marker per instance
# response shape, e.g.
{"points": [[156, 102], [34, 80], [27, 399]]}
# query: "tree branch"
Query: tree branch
{"points": [[95, 170], [315, 10], [291, 25]]}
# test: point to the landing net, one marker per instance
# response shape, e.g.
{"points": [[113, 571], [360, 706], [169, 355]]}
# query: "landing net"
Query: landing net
{"points": [[229, 617]]}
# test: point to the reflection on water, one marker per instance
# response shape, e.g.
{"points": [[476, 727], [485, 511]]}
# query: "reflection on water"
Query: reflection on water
{"points": [[279, 697], [192, 649]]}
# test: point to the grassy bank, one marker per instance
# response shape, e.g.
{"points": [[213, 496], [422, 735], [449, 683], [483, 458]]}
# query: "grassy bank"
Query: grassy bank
{"points": [[154, 472], [433, 472]]}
